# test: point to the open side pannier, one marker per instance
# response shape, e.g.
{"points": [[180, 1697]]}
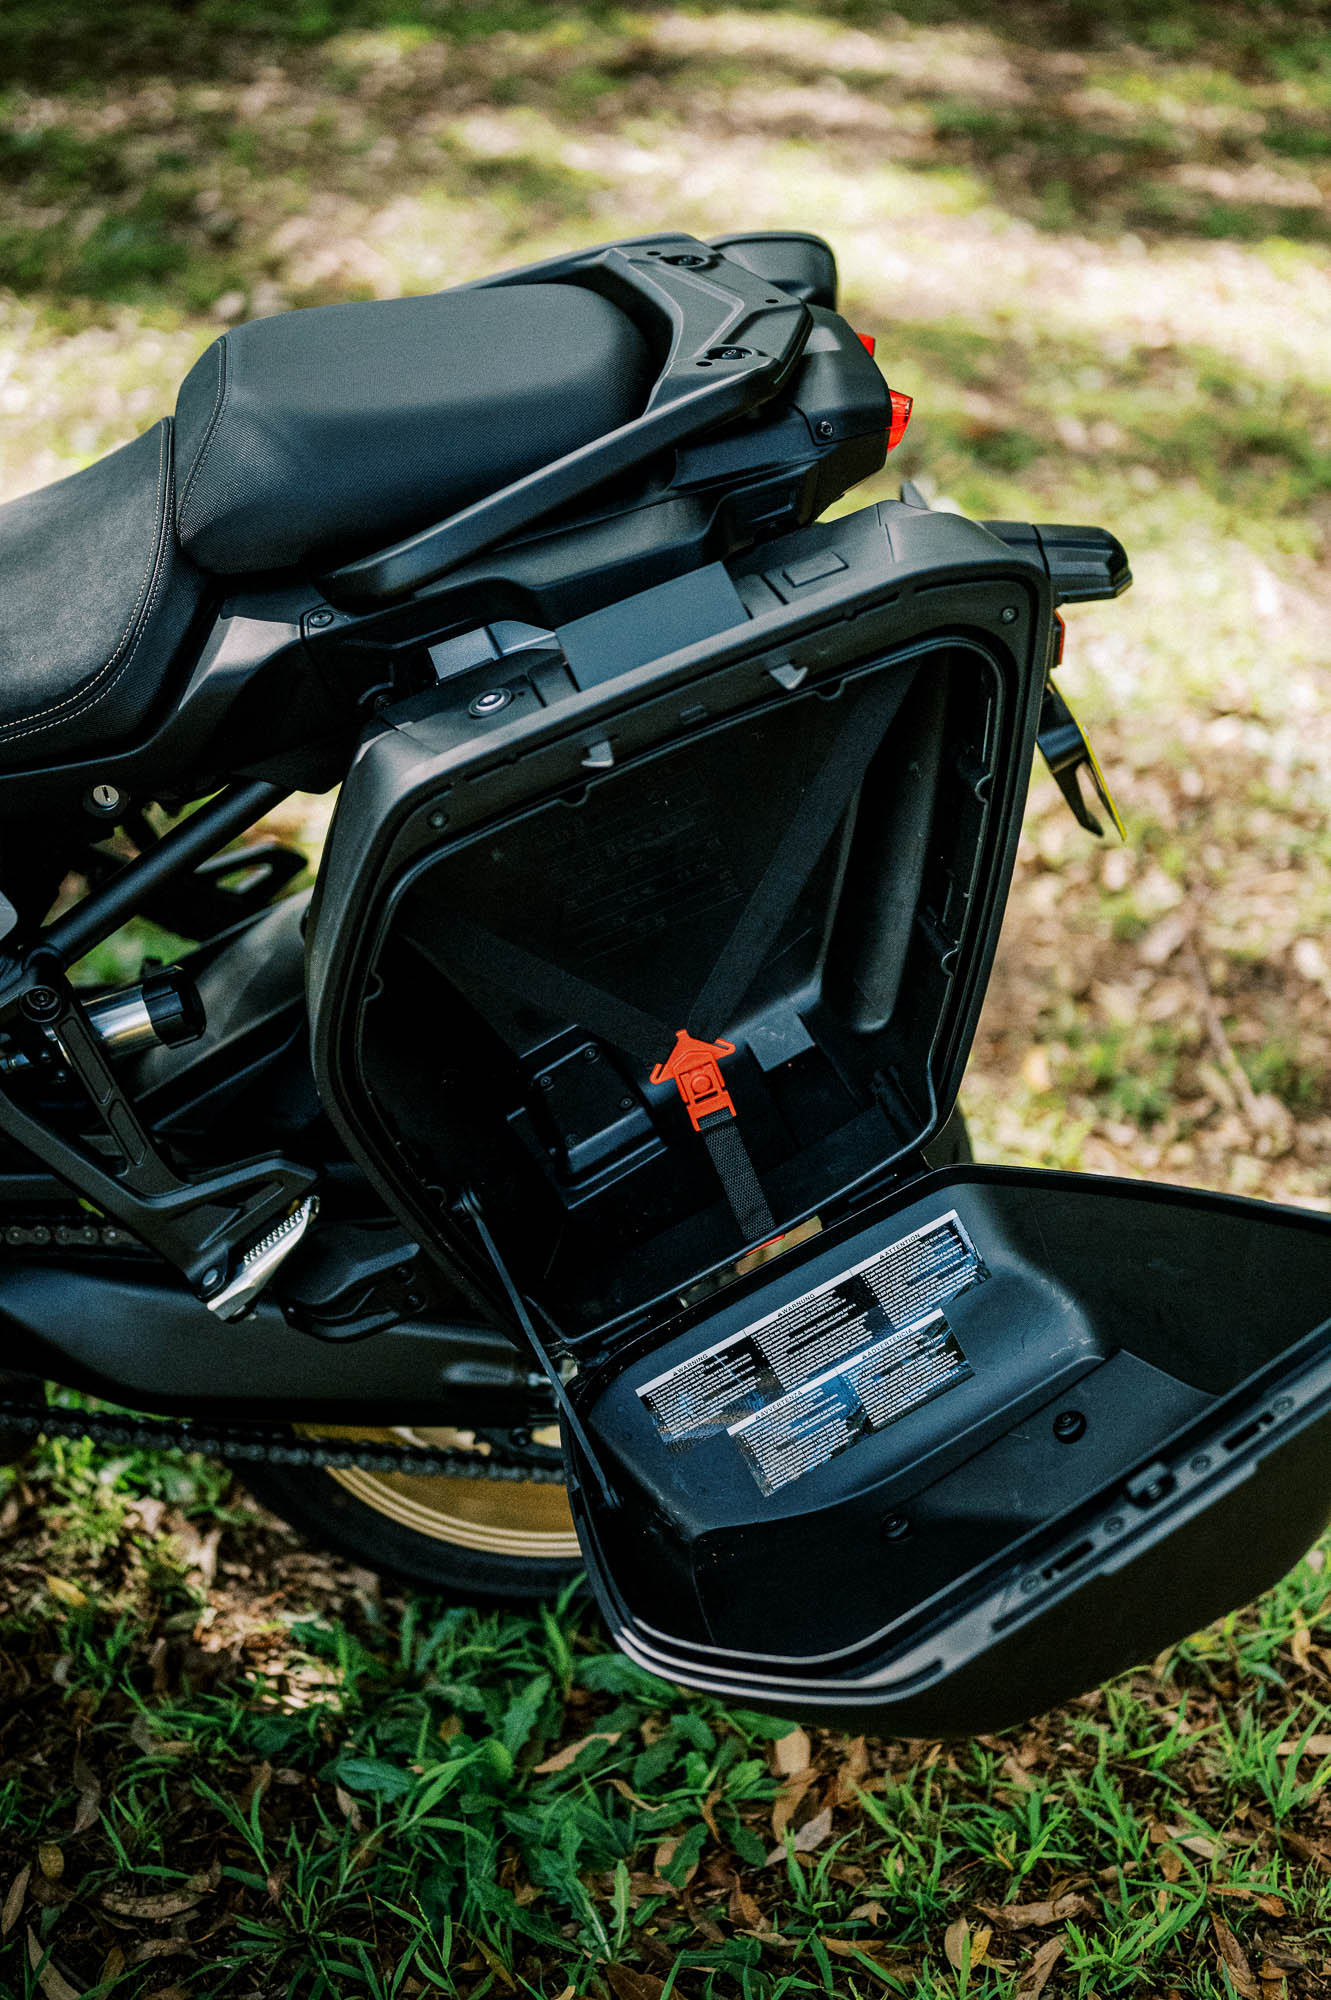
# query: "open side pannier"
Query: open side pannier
{"points": [[647, 955]]}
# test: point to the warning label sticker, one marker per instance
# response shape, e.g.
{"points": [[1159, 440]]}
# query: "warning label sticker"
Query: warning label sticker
{"points": [[835, 1365]]}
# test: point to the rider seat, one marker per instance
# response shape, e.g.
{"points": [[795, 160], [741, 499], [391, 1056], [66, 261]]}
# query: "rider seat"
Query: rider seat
{"points": [[298, 441]]}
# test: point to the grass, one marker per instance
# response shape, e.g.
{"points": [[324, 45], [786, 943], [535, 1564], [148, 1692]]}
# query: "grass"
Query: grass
{"points": [[1092, 240], [234, 1768]]}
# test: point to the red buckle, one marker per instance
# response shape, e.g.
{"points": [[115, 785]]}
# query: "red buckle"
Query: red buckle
{"points": [[694, 1068]]}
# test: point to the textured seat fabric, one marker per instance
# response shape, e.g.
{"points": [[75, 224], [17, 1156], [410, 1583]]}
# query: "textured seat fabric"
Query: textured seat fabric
{"points": [[94, 600], [323, 434]]}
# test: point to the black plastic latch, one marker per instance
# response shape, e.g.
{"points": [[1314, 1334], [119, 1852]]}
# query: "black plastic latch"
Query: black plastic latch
{"points": [[1153, 1483], [1085, 565], [1066, 749]]}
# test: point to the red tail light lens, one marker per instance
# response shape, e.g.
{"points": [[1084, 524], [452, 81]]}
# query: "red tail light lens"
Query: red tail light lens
{"points": [[901, 409]]}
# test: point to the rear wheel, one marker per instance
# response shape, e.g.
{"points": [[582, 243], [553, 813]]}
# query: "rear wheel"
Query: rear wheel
{"points": [[509, 1540]]}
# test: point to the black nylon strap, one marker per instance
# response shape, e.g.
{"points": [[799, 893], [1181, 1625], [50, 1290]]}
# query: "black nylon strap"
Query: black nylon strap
{"points": [[735, 1171], [797, 854], [454, 939]]}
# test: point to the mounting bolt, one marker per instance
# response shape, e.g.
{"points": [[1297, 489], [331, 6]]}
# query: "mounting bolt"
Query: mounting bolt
{"points": [[1068, 1426], [729, 353], [210, 1278], [626, 1104], [317, 620], [1200, 1462], [686, 260], [491, 701], [590, 1054], [41, 1003], [103, 800], [1009, 614], [894, 1527], [825, 428], [546, 1082], [438, 819]]}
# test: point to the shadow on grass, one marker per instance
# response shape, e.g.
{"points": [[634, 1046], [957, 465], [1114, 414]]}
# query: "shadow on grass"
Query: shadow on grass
{"points": [[115, 125]]}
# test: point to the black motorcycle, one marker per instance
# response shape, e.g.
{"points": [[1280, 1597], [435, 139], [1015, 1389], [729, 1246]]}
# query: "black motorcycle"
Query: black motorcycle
{"points": [[571, 1177]]}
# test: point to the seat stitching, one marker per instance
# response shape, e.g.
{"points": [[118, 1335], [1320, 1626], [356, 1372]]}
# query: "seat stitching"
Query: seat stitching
{"points": [[91, 693], [220, 396]]}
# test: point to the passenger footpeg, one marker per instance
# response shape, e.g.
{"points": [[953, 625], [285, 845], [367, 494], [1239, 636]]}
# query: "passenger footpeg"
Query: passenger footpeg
{"points": [[262, 1260]]}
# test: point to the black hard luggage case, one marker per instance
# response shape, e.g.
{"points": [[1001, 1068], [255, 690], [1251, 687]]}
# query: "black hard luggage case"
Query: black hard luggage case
{"points": [[647, 954]]}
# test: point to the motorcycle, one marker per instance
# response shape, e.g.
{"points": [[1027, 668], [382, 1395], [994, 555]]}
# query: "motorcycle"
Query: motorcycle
{"points": [[571, 1177]]}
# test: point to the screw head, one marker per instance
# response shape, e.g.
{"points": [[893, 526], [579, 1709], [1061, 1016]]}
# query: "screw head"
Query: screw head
{"points": [[1009, 614], [317, 620], [41, 1003], [626, 1104], [1200, 1462], [1069, 1426], [438, 819], [210, 1278], [491, 701], [590, 1054], [546, 1082], [729, 353], [895, 1527], [825, 428], [686, 259]]}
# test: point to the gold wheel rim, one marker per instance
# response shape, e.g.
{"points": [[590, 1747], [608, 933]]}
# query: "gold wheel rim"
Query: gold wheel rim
{"points": [[525, 1520]]}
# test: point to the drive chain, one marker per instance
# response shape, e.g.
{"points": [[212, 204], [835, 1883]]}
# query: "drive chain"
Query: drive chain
{"points": [[269, 1445]]}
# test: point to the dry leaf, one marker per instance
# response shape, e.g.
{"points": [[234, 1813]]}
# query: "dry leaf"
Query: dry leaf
{"points": [[348, 1808], [626, 1791], [90, 1795], [868, 1913], [1034, 1975], [1171, 1863], [151, 1909], [744, 1910], [52, 1982], [167, 1947], [852, 1773], [790, 1801], [792, 1755], [66, 1593], [1037, 1916], [626, 1985], [51, 1861], [496, 1964], [954, 1942], [563, 1758], [13, 1904], [1316, 1746], [806, 1838], [1235, 1960], [1202, 1844]]}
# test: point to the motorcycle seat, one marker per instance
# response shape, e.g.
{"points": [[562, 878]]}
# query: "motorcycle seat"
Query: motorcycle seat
{"points": [[297, 440], [94, 601], [323, 434]]}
